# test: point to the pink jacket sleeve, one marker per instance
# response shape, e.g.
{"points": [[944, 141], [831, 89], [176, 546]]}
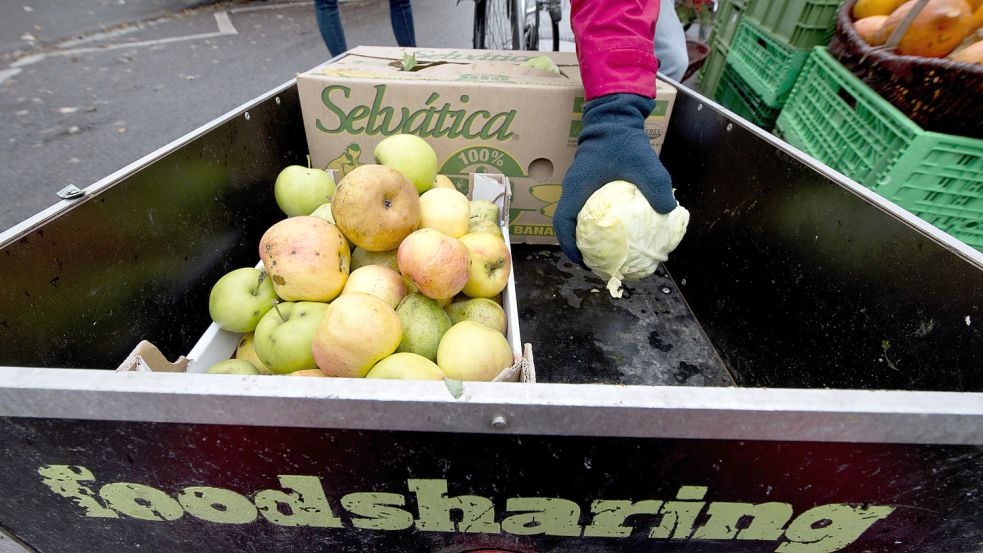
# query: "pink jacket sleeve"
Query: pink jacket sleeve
{"points": [[615, 45]]}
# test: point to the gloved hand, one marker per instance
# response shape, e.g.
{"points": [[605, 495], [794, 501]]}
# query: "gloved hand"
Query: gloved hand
{"points": [[612, 146]]}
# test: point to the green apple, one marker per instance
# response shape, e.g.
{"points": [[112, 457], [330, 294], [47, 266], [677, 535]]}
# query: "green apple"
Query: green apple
{"points": [[482, 225], [491, 264], [324, 212], [285, 335], [406, 366], [240, 299], [361, 258], [472, 351], [483, 210], [479, 310], [424, 324], [411, 156], [233, 366], [300, 190]]}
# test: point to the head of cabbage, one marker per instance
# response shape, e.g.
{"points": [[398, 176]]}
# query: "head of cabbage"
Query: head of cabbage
{"points": [[622, 238]]}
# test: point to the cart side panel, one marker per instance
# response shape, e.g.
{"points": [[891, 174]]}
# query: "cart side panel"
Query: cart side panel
{"points": [[105, 486], [136, 259], [804, 279]]}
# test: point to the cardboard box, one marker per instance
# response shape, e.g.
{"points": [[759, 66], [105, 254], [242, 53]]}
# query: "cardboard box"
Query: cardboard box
{"points": [[218, 345], [481, 110]]}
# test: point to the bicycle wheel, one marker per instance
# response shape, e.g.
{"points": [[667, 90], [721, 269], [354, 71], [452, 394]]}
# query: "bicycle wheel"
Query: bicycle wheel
{"points": [[498, 24], [532, 28]]}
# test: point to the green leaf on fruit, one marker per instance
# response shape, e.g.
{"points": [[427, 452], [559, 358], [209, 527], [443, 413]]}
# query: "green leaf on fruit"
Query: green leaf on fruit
{"points": [[455, 387]]}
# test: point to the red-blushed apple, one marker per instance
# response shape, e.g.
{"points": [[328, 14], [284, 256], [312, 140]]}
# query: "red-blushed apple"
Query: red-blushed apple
{"points": [[491, 264], [309, 372], [357, 331], [406, 366], [446, 210], [285, 334], [240, 298], [300, 190], [381, 282], [436, 264], [472, 351], [411, 156], [479, 310], [232, 366], [376, 207], [307, 259]]}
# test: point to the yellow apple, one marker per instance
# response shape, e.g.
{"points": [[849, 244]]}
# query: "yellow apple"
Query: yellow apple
{"points": [[491, 264], [306, 257], [382, 282], [406, 366], [246, 350], [357, 331], [442, 181], [376, 207], [446, 210], [232, 366], [472, 351], [436, 264]]}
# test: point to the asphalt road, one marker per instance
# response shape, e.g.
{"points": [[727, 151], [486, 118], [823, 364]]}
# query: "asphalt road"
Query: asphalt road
{"points": [[104, 82]]}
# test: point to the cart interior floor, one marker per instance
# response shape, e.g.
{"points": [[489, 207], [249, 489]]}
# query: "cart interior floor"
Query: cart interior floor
{"points": [[580, 334]]}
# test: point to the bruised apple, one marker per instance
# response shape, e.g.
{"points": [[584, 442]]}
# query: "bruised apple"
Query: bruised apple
{"points": [[307, 258], [376, 207]]}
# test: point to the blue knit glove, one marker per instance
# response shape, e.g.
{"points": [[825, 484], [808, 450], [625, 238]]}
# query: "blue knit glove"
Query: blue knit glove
{"points": [[612, 146]]}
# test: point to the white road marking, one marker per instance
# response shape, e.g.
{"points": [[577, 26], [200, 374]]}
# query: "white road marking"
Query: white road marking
{"points": [[225, 28], [8, 73], [245, 9]]}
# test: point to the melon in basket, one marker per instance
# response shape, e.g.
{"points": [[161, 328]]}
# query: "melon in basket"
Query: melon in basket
{"points": [[937, 30], [869, 29]]}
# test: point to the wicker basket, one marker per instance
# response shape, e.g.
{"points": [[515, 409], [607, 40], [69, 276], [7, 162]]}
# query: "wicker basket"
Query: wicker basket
{"points": [[938, 94]]}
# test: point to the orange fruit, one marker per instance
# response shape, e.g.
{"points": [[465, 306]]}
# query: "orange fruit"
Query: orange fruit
{"points": [[939, 28], [869, 28]]}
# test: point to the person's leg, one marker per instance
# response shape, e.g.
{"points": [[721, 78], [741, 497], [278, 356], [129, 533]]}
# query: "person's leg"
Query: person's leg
{"points": [[401, 14], [329, 23], [670, 42]]}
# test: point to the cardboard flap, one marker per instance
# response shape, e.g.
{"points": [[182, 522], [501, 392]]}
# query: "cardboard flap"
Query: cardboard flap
{"points": [[452, 66], [147, 358]]}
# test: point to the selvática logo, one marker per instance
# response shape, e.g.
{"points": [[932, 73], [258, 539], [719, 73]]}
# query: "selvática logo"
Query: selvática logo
{"points": [[436, 118], [426, 505]]}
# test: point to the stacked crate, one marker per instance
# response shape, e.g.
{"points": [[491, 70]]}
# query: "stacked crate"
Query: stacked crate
{"points": [[765, 53], [729, 14], [836, 118]]}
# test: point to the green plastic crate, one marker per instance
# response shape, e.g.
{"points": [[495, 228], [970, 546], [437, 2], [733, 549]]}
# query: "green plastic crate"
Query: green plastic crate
{"points": [[800, 23], [725, 23], [735, 94], [766, 63], [712, 68], [836, 118]]}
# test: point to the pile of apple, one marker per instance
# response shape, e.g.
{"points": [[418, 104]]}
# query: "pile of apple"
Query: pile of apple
{"points": [[394, 274]]}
